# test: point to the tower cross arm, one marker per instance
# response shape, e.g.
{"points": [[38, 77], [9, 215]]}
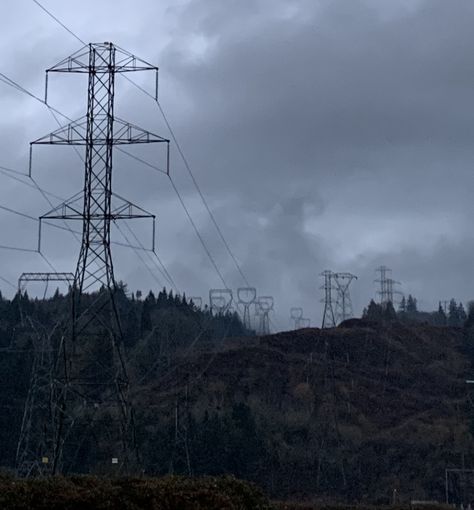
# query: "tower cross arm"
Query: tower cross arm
{"points": [[75, 133], [79, 62]]}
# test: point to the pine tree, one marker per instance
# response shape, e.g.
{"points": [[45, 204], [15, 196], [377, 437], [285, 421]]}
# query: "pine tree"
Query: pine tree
{"points": [[453, 314], [470, 315], [402, 307], [440, 317], [149, 304], [462, 314], [389, 312], [374, 311], [411, 305]]}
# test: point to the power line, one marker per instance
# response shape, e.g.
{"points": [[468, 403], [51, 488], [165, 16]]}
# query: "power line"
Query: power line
{"points": [[153, 275], [188, 214], [7, 282], [204, 201], [58, 21], [185, 161], [188, 168], [198, 234], [53, 112], [161, 267], [193, 178]]}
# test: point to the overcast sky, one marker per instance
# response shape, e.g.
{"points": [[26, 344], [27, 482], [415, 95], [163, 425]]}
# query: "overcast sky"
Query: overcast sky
{"points": [[325, 134]]}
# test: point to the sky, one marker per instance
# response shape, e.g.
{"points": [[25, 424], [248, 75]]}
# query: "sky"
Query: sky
{"points": [[324, 134]]}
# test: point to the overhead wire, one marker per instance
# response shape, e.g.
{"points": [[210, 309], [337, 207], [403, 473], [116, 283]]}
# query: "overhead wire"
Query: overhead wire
{"points": [[193, 178], [58, 21], [186, 164], [54, 112], [153, 166]]}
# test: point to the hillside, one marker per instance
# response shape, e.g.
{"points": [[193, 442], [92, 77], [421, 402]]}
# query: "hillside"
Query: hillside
{"points": [[353, 412]]}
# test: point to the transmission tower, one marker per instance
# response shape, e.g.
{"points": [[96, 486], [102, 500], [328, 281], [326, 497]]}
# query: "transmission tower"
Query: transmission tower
{"points": [[246, 297], [180, 460], [296, 313], [386, 282], [197, 301], [91, 384], [44, 277], [304, 323], [220, 300], [33, 449], [329, 317], [343, 302], [264, 307]]}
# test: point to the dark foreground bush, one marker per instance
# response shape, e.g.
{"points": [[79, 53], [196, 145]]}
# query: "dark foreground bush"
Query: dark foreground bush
{"points": [[329, 506], [169, 493]]}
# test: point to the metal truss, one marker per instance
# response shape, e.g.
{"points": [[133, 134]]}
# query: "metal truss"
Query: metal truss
{"points": [[220, 301], [387, 290], [264, 307], [197, 301], [329, 317], [25, 278], [296, 314], [91, 385], [342, 283], [246, 297]]}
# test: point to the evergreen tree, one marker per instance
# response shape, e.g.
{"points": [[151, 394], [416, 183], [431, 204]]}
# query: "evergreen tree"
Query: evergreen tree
{"points": [[470, 315], [149, 304], [389, 312], [440, 318], [374, 311], [402, 307], [411, 306], [453, 314]]}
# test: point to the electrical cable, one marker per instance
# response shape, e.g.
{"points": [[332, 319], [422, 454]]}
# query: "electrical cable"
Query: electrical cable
{"points": [[186, 165]]}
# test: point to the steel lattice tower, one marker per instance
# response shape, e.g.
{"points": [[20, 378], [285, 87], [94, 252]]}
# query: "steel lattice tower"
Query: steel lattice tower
{"points": [[343, 302], [329, 318], [264, 306], [246, 297], [296, 315], [34, 445], [220, 300], [91, 383], [386, 291]]}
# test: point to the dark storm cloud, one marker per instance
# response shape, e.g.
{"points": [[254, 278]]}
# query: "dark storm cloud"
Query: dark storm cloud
{"points": [[325, 134], [333, 103]]}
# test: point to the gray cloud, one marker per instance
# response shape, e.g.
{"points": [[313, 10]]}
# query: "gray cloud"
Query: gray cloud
{"points": [[325, 134]]}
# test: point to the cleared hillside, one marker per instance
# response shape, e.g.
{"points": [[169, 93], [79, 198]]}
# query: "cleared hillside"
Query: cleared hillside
{"points": [[353, 412]]}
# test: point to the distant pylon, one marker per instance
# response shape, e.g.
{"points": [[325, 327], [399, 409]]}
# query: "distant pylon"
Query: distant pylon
{"points": [[329, 317], [343, 302], [296, 313], [246, 297], [264, 307], [386, 291], [220, 300], [197, 301]]}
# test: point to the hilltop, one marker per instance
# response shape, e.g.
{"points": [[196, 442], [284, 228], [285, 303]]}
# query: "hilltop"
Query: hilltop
{"points": [[351, 412]]}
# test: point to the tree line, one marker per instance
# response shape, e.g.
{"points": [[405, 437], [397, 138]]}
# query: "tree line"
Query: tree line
{"points": [[454, 315]]}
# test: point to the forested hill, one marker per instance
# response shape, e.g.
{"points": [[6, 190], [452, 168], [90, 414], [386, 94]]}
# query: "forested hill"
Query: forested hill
{"points": [[155, 330], [353, 412]]}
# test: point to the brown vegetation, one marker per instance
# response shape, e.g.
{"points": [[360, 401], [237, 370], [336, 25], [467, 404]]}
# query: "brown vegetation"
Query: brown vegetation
{"points": [[170, 493]]}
